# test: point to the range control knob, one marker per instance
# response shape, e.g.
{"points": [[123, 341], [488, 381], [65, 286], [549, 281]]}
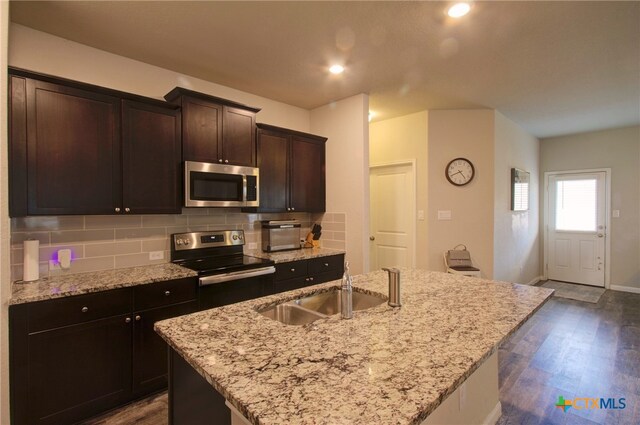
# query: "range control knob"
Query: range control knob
{"points": [[235, 237], [178, 241]]}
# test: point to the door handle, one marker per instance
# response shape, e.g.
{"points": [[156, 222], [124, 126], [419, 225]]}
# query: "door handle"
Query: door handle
{"points": [[372, 238]]}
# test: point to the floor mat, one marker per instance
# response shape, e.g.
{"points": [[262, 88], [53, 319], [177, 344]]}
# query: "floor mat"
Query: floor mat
{"points": [[573, 291]]}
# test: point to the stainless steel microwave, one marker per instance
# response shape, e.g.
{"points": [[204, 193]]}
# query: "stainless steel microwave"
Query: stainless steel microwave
{"points": [[220, 185]]}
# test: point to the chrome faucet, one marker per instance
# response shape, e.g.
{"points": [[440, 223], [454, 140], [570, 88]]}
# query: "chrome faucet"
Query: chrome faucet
{"points": [[394, 287], [346, 293]]}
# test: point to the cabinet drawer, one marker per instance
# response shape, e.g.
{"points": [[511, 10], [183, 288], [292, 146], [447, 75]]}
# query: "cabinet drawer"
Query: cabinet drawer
{"points": [[290, 270], [165, 293], [291, 284], [333, 263], [77, 309]]}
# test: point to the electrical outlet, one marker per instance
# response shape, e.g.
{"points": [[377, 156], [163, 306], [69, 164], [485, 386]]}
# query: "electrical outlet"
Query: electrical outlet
{"points": [[156, 255]]}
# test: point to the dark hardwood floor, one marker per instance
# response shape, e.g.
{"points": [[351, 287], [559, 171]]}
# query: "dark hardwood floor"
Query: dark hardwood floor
{"points": [[568, 348], [573, 349]]}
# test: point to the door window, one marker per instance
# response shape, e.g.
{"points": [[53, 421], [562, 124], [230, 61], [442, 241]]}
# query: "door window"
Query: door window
{"points": [[576, 205]]}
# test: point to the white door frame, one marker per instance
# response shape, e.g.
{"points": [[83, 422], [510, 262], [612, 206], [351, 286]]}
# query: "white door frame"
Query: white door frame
{"points": [[607, 219], [412, 200]]}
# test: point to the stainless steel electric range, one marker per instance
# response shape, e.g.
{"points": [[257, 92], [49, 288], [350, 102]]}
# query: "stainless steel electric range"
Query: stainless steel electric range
{"points": [[225, 274]]}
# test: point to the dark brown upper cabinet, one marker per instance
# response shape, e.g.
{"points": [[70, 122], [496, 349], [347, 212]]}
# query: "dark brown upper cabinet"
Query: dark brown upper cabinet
{"points": [[215, 130], [292, 170], [151, 166], [82, 149]]}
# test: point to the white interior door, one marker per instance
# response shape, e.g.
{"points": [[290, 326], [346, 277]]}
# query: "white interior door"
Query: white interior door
{"points": [[392, 203], [576, 228]]}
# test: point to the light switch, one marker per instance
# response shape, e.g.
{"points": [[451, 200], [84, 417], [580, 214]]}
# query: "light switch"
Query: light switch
{"points": [[616, 214], [420, 214], [156, 255], [444, 214]]}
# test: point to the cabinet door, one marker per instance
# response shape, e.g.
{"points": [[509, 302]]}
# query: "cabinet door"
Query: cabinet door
{"points": [[151, 159], [307, 182], [78, 370], [73, 154], [201, 130], [150, 350], [273, 152], [239, 137]]}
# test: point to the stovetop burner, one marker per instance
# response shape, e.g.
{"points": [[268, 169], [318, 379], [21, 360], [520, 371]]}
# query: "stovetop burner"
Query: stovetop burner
{"points": [[214, 252], [224, 264]]}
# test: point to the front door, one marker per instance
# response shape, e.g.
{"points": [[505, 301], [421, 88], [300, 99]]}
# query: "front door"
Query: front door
{"points": [[392, 202], [577, 233]]}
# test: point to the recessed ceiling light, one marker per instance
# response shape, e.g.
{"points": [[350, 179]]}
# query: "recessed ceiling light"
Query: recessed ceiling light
{"points": [[336, 69], [458, 10]]}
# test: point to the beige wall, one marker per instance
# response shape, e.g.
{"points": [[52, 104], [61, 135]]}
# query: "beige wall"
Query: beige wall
{"points": [[400, 139], [618, 149], [468, 134], [4, 220], [345, 124], [516, 248], [42, 52]]}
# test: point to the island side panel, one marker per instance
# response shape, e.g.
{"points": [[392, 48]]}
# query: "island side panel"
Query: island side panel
{"points": [[192, 400], [479, 402]]}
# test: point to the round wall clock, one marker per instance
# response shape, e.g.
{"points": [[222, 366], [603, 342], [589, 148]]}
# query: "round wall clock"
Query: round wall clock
{"points": [[459, 171]]}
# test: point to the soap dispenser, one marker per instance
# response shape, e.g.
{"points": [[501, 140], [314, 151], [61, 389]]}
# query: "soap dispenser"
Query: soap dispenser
{"points": [[346, 295]]}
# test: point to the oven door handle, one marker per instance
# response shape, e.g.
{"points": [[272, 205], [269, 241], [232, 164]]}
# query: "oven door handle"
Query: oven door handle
{"points": [[228, 277]]}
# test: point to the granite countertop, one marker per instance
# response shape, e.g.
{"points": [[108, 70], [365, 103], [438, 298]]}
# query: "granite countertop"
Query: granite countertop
{"points": [[84, 283], [294, 254], [385, 366]]}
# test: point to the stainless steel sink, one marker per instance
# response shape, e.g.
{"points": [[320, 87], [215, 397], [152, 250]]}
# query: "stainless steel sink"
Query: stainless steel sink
{"points": [[306, 310], [291, 314], [329, 302]]}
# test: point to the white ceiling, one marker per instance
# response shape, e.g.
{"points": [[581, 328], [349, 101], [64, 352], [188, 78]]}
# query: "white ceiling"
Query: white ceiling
{"points": [[553, 67]]}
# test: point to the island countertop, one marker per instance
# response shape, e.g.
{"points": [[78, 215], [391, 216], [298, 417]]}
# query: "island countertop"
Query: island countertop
{"points": [[384, 366]]}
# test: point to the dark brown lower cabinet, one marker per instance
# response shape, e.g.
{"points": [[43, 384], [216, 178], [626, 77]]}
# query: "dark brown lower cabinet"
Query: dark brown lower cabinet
{"points": [[150, 350], [298, 274], [75, 357], [68, 373]]}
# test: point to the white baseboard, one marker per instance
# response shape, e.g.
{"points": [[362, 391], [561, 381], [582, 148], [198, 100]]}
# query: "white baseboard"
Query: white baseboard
{"points": [[494, 415], [625, 289], [535, 280]]}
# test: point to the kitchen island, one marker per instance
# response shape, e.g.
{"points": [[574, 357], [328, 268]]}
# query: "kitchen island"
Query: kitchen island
{"points": [[384, 366]]}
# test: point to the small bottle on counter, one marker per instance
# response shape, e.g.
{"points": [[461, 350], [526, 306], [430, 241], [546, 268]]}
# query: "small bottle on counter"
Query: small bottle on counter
{"points": [[346, 296]]}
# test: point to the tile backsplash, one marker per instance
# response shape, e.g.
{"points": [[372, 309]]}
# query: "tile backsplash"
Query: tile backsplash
{"points": [[118, 241]]}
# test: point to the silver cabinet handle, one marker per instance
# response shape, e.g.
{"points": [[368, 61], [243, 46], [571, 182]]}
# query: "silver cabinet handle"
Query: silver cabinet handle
{"points": [[288, 209], [229, 277], [326, 264], [127, 210], [220, 160], [311, 279], [117, 209], [85, 309], [127, 320], [167, 293], [306, 279], [226, 161], [293, 209], [138, 318], [293, 270]]}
